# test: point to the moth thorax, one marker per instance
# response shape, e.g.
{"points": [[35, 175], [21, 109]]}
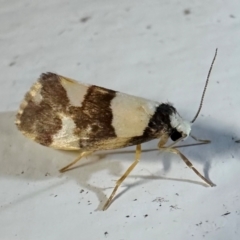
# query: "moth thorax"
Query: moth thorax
{"points": [[180, 127]]}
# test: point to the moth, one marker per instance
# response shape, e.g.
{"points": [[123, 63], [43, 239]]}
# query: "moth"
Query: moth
{"points": [[62, 113]]}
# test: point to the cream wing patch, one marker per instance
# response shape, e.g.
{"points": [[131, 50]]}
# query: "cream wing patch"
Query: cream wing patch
{"points": [[75, 91], [131, 114], [36, 93], [66, 139]]}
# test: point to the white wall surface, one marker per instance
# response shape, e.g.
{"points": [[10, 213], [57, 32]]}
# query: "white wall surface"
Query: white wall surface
{"points": [[159, 50]]}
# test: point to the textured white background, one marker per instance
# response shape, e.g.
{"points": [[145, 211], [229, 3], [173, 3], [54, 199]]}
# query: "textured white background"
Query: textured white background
{"points": [[160, 50]]}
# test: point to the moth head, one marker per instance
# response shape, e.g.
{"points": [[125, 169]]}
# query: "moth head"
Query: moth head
{"points": [[180, 127]]}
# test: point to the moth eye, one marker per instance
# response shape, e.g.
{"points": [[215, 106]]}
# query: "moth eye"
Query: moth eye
{"points": [[175, 135]]}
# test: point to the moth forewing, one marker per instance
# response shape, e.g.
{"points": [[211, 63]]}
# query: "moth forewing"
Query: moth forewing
{"points": [[62, 113], [55, 115]]}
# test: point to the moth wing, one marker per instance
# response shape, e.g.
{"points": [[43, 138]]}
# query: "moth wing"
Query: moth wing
{"points": [[62, 113]]}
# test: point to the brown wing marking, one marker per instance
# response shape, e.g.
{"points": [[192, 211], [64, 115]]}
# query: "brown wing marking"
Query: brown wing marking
{"points": [[46, 106]]}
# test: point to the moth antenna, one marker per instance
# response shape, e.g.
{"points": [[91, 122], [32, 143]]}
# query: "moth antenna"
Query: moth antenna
{"points": [[205, 87]]}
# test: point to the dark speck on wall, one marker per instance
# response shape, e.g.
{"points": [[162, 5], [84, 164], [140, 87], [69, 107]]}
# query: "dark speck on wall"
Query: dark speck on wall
{"points": [[186, 11], [84, 19], [12, 63]]}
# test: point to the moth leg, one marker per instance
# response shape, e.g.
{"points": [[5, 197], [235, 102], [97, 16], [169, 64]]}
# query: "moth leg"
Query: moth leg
{"points": [[121, 179], [81, 155], [190, 165], [199, 140], [163, 141], [192, 144]]}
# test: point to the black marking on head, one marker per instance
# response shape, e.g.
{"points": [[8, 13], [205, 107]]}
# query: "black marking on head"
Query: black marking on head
{"points": [[175, 135], [158, 125]]}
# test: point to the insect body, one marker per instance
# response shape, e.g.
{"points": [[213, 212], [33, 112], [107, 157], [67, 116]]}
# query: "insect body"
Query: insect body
{"points": [[61, 113]]}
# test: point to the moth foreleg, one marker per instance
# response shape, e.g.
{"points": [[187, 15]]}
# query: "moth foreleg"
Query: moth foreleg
{"points": [[80, 156], [200, 140], [121, 179], [163, 141], [190, 165]]}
